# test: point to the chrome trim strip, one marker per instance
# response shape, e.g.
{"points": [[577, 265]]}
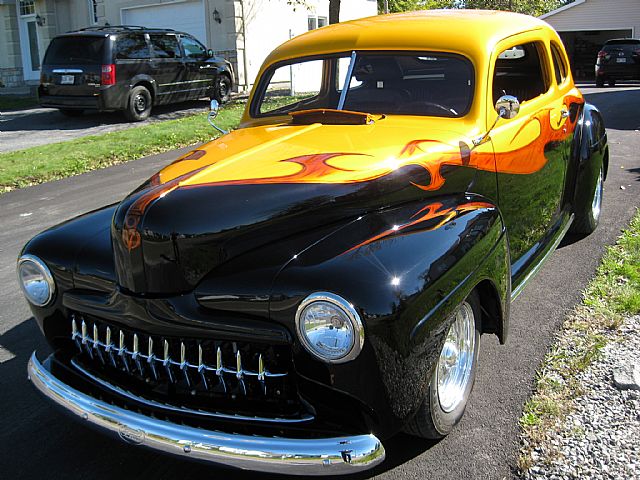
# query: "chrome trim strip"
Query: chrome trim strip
{"points": [[182, 83], [323, 456], [67, 70], [165, 406], [536, 269]]}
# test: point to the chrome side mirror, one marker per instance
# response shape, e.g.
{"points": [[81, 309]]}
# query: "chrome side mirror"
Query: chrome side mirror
{"points": [[507, 107], [214, 106]]}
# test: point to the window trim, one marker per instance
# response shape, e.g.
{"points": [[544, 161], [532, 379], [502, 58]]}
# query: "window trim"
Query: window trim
{"points": [[93, 12], [557, 51]]}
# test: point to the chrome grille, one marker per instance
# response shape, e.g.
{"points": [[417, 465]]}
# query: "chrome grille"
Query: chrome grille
{"points": [[200, 372]]}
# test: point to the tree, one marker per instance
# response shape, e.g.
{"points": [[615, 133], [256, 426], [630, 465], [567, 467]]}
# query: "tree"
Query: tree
{"points": [[530, 7]]}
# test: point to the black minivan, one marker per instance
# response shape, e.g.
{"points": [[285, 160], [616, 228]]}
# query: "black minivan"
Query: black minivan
{"points": [[129, 68]]}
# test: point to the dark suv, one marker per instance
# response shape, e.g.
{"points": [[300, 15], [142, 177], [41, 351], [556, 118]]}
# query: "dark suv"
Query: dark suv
{"points": [[619, 59], [129, 68]]}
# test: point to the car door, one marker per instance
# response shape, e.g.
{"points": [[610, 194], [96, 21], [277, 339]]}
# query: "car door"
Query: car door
{"points": [[530, 149], [167, 67], [197, 78]]}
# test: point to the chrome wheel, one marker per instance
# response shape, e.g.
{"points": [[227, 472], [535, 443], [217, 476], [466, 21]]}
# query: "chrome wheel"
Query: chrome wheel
{"points": [[453, 372], [596, 204]]}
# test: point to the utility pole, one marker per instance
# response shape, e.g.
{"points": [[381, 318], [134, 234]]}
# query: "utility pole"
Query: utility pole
{"points": [[386, 6]]}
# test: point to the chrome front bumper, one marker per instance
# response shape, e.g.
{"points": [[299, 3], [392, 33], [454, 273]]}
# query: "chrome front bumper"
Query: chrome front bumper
{"points": [[325, 456]]}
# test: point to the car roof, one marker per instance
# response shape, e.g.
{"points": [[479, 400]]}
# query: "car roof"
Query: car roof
{"points": [[619, 40], [469, 32]]}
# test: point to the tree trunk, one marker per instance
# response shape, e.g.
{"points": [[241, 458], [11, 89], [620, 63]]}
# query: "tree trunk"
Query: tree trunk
{"points": [[334, 11]]}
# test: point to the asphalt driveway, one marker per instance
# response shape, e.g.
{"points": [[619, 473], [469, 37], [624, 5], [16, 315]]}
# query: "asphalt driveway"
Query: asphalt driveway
{"points": [[39, 126], [38, 441]]}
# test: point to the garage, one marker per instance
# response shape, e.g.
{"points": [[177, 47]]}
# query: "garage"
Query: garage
{"points": [[585, 25], [583, 47], [183, 16]]}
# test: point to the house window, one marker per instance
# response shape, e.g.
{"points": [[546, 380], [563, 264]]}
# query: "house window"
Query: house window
{"points": [[93, 11], [27, 7], [313, 22]]}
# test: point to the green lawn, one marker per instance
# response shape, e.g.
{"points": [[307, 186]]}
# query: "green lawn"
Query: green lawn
{"points": [[58, 160], [14, 102], [48, 162]]}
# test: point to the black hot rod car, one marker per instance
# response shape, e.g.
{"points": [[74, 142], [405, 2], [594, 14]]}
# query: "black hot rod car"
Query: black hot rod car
{"points": [[291, 294]]}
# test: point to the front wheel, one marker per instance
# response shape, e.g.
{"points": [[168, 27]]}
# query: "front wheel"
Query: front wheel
{"points": [[138, 105], [453, 377], [587, 215], [612, 82]]}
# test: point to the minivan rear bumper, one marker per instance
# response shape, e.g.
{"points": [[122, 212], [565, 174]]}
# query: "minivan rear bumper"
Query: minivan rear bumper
{"points": [[106, 100], [71, 102]]}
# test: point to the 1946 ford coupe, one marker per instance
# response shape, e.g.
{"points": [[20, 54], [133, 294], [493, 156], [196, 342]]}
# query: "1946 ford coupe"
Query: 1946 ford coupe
{"points": [[291, 294]]}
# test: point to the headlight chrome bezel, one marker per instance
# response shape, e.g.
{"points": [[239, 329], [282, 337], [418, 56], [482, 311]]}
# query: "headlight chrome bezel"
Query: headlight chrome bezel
{"points": [[46, 273], [352, 316]]}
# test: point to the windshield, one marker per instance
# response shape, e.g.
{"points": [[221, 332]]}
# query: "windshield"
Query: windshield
{"points": [[80, 50], [433, 84]]}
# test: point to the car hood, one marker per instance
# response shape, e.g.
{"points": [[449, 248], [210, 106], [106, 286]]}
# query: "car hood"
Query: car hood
{"points": [[268, 185]]}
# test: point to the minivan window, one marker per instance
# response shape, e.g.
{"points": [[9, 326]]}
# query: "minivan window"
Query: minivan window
{"points": [[165, 46], [193, 48], [75, 50], [131, 47]]}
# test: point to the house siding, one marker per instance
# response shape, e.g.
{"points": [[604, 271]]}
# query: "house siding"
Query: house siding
{"points": [[598, 15], [10, 55]]}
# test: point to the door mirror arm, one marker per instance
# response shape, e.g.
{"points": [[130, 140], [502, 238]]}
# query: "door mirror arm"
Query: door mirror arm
{"points": [[506, 107]]}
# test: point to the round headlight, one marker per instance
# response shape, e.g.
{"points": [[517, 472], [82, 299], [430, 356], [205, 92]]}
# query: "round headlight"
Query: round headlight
{"points": [[329, 327], [36, 280]]}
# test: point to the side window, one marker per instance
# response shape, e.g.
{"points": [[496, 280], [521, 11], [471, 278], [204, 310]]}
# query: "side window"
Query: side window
{"points": [[520, 71], [559, 64], [131, 47], [165, 46], [193, 48]]}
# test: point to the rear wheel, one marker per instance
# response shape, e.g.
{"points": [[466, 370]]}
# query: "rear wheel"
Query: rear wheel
{"points": [[599, 82], [222, 89], [453, 377], [587, 215], [68, 112], [138, 105]]}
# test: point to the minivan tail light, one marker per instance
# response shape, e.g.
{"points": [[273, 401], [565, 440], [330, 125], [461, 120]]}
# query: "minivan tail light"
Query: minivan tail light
{"points": [[108, 74], [602, 54]]}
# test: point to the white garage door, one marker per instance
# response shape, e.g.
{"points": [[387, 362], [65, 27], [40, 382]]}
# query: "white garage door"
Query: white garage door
{"points": [[185, 17]]}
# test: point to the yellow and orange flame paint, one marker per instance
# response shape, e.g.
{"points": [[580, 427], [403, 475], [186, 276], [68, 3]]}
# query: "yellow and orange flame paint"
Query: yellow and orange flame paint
{"points": [[323, 168]]}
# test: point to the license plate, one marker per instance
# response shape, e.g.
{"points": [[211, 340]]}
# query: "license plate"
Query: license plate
{"points": [[67, 80], [621, 60]]}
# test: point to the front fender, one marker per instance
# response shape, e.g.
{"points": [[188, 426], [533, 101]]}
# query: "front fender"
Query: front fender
{"points": [[405, 270]]}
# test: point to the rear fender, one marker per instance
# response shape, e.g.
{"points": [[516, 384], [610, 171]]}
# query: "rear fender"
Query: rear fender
{"points": [[590, 152]]}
